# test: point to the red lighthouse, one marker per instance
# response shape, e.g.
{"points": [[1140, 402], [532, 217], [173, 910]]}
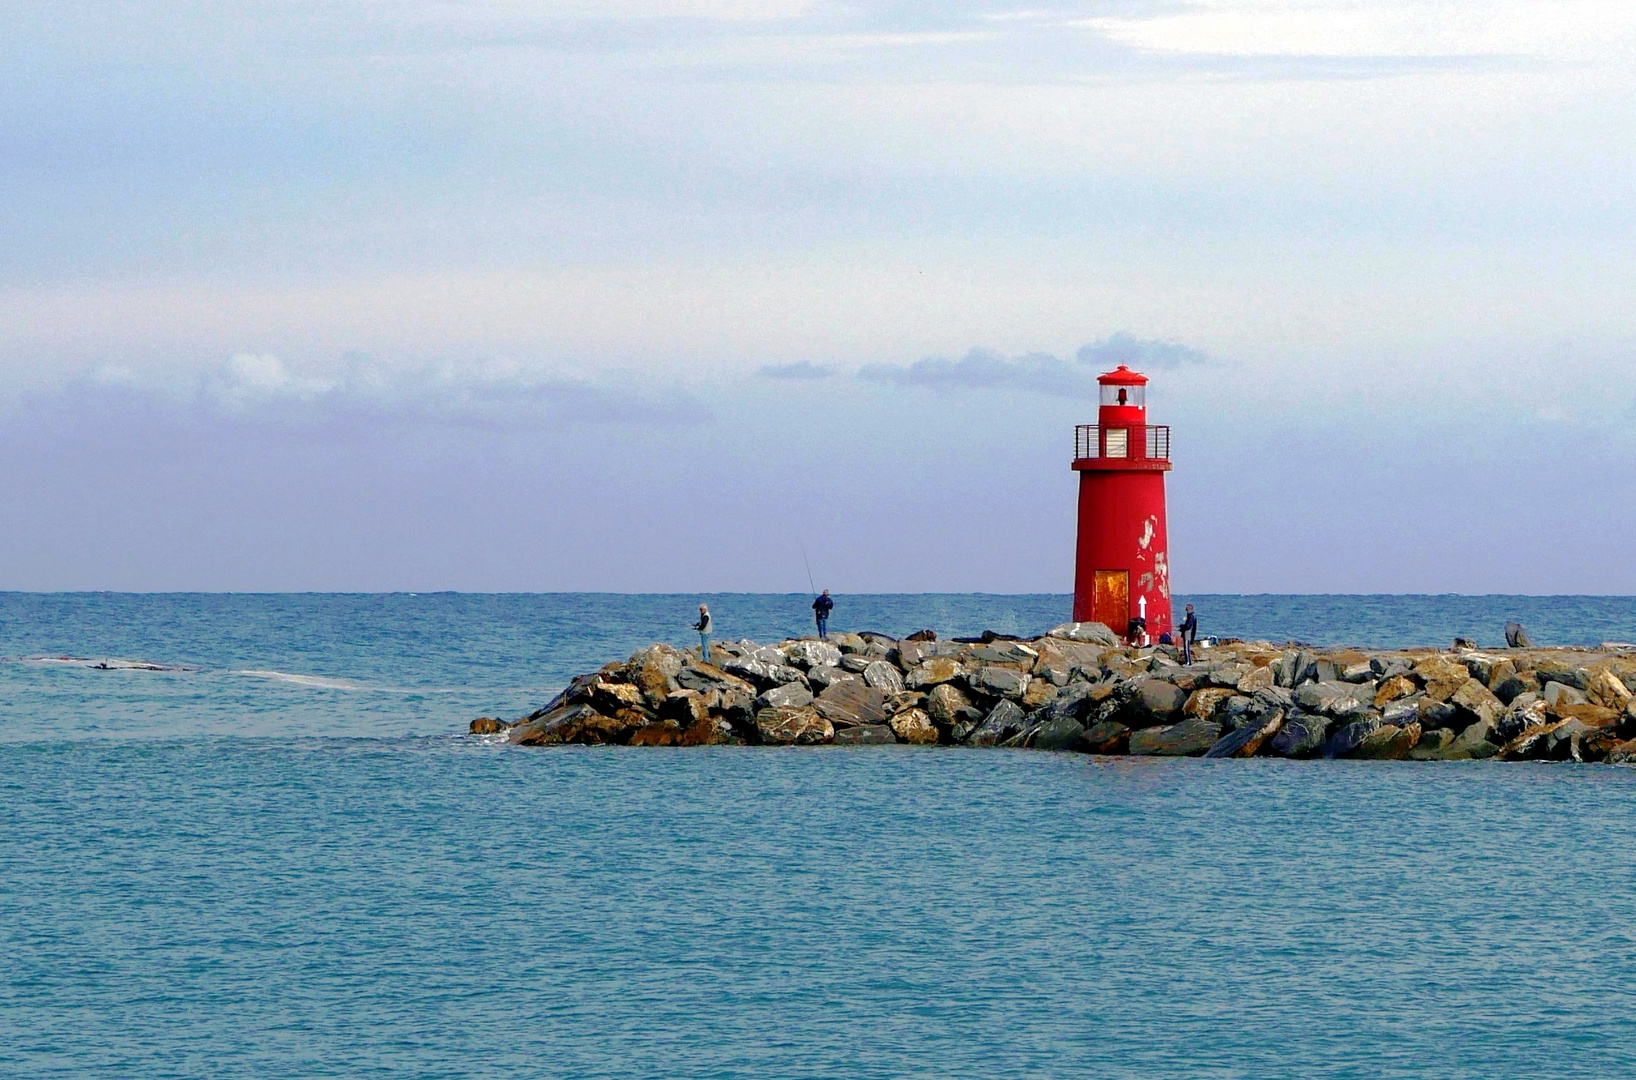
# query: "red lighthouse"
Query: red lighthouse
{"points": [[1122, 563]]}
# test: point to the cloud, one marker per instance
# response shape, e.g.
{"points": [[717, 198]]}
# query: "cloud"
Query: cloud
{"points": [[1133, 352], [1039, 373], [804, 370], [981, 369], [262, 388]]}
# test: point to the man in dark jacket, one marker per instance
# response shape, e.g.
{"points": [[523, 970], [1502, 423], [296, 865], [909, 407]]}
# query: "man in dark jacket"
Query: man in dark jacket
{"points": [[1190, 634], [822, 607]]}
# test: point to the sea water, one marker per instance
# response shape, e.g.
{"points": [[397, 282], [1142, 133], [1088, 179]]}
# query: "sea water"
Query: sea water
{"points": [[280, 858]]}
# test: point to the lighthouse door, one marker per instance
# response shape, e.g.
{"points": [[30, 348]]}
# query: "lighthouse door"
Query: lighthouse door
{"points": [[1110, 602]]}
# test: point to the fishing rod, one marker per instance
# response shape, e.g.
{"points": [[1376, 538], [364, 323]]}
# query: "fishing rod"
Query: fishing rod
{"points": [[810, 582]]}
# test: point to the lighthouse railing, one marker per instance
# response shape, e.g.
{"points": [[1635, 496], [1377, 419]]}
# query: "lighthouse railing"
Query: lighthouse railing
{"points": [[1093, 441]]}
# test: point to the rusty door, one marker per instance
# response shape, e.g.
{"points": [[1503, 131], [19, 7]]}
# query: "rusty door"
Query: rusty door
{"points": [[1111, 603]]}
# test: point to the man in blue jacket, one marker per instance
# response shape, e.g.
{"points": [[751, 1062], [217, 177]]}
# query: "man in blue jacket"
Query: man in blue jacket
{"points": [[822, 607]]}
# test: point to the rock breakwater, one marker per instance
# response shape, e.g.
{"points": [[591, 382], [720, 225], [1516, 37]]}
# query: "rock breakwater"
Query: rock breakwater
{"points": [[1078, 689]]}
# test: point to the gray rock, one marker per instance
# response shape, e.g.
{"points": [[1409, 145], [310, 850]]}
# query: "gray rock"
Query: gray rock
{"points": [[933, 670], [1274, 697], [1432, 745], [761, 673], [852, 704], [1248, 740], [1004, 652], [1332, 698], [856, 662], [865, 735], [1154, 703], [1005, 721], [947, 705], [784, 726], [788, 696], [822, 678], [1229, 676], [1516, 637], [812, 654], [1059, 734], [1093, 632], [1190, 738], [1001, 682], [1107, 737], [1350, 736], [1558, 693], [883, 677], [1302, 736], [1406, 711]]}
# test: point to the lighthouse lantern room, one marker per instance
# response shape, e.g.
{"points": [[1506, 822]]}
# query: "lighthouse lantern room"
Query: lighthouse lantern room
{"points": [[1122, 564]]}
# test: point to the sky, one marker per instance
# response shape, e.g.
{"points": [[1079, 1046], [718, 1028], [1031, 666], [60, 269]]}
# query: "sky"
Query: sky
{"points": [[684, 295]]}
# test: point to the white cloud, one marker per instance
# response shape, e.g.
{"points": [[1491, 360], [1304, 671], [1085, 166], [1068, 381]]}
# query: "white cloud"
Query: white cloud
{"points": [[246, 380], [1554, 29]]}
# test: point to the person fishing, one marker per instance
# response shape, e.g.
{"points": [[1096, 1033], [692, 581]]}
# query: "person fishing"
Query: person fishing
{"points": [[1190, 634], [821, 607], [703, 627]]}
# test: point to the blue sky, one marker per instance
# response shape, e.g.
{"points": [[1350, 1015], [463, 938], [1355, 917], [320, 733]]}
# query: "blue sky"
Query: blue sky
{"points": [[645, 295]]}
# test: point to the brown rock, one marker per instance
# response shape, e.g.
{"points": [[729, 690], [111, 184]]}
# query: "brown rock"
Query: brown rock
{"points": [[487, 725], [1593, 716], [1398, 686], [1256, 679], [663, 733], [1202, 703], [1531, 744], [1608, 690], [1190, 738], [1248, 740], [570, 724], [868, 735], [1039, 692], [1108, 737], [1476, 699], [1389, 742], [787, 726], [654, 671], [706, 731], [1432, 745], [949, 706], [931, 671], [914, 726], [852, 704]]}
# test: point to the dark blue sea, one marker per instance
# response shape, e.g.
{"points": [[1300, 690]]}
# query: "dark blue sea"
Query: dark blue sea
{"points": [[283, 859]]}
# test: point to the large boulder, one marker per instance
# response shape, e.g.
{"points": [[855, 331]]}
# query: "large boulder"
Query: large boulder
{"points": [[762, 674], [1062, 733], [1302, 735], [811, 654], [1441, 676], [1190, 738], [883, 677], [852, 704], [1606, 689], [1005, 721], [949, 706], [1476, 700], [572, 724], [822, 678], [654, 671], [1389, 742], [1473, 742], [789, 726], [486, 725], [1094, 633], [914, 726], [1001, 682], [1257, 678], [706, 677], [1203, 703], [1432, 745], [1398, 686], [1331, 698], [1110, 737], [788, 696], [1557, 694], [931, 671], [1249, 739], [1153, 703], [1350, 735]]}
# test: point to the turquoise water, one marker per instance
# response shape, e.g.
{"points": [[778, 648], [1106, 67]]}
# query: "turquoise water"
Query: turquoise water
{"points": [[205, 873]]}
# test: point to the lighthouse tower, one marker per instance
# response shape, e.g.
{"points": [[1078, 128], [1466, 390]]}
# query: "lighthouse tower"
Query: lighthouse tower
{"points": [[1122, 562]]}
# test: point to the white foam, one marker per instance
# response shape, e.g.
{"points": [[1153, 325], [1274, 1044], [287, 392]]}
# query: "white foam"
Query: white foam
{"points": [[317, 682]]}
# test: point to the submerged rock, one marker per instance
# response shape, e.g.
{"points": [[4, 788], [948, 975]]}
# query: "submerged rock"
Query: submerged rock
{"points": [[1190, 738]]}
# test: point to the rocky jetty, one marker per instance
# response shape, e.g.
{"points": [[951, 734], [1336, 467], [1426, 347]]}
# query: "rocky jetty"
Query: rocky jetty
{"points": [[1078, 689]]}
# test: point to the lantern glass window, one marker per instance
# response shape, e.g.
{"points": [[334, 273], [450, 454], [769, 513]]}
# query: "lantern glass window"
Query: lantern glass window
{"points": [[1134, 395]]}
